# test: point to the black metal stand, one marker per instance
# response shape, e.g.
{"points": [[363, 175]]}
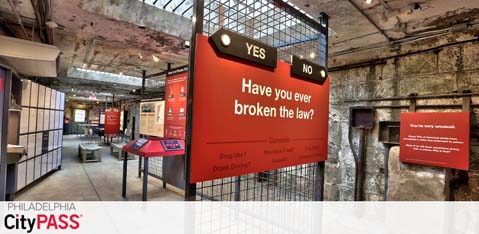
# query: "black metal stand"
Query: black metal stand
{"points": [[145, 177]]}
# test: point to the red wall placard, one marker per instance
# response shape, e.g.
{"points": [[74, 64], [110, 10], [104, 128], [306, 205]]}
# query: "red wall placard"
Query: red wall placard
{"points": [[112, 122], [437, 139], [175, 105], [239, 127]]}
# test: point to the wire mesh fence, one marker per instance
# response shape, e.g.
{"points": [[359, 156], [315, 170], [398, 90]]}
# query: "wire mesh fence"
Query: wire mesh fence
{"points": [[292, 32]]}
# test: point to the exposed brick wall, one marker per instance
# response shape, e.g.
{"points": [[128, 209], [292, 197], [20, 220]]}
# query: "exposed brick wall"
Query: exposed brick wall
{"points": [[450, 69]]}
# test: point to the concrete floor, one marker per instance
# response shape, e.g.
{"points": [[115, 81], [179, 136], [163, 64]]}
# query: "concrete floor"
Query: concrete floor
{"points": [[96, 181]]}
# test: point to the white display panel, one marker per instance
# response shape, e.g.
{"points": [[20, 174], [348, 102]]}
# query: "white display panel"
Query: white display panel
{"points": [[41, 96], [53, 104], [59, 157], [48, 93], [52, 120], [60, 138], [59, 99], [46, 120], [57, 119], [38, 146], [24, 119], [62, 102], [23, 141], [32, 123], [30, 170], [50, 160], [38, 166], [21, 173], [34, 95], [26, 89], [31, 146], [40, 114]]}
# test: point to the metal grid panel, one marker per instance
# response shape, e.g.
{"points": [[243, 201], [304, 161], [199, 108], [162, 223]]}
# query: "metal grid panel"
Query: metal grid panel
{"points": [[297, 183], [280, 27], [264, 21]]}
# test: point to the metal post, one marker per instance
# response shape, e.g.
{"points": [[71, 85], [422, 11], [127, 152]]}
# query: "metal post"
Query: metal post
{"points": [[238, 188], [5, 103], [145, 180], [198, 5], [125, 170], [319, 188], [143, 79]]}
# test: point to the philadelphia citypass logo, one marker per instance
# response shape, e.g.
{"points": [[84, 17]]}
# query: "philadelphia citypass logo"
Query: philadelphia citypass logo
{"points": [[42, 216]]}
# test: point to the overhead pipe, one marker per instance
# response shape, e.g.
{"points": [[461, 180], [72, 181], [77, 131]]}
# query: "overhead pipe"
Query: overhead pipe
{"points": [[18, 19]]}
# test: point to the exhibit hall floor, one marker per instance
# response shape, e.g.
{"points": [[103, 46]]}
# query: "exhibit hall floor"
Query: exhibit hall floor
{"points": [[95, 181]]}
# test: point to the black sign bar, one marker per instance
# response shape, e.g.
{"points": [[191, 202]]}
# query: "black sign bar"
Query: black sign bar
{"points": [[230, 43], [308, 70]]}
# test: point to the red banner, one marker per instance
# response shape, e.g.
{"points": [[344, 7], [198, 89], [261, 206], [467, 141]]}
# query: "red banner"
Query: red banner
{"points": [[436, 139], [112, 122], [175, 106], [250, 119]]}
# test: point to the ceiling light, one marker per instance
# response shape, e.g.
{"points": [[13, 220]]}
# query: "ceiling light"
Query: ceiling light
{"points": [[187, 43], [225, 40], [156, 59], [312, 55], [369, 1], [74, 95], [121, 73], [140, 56], [84, 65], [301, 56]]}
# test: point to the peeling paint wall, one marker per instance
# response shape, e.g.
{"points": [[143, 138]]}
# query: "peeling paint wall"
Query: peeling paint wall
{"points": [[450, 69]]}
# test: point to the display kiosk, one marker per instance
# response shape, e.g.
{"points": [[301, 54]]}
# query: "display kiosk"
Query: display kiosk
{"points": [[149, 148]]}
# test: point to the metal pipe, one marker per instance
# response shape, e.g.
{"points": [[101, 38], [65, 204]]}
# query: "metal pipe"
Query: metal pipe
{"points": [[197, 28], [360, 166], [370, 20], [386, 172], [18, 19], [432, 96], [356, 158]]}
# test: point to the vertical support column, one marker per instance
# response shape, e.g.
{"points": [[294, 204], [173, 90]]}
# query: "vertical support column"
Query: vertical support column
{"points": [[143, 80], [4, 106], [320, 166], [198, 7]]}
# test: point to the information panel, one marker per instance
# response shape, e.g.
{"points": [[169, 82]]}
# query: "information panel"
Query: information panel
{"points": [[436, 139], [112, 122], [250, 118], [175, 105], [152, 118]]}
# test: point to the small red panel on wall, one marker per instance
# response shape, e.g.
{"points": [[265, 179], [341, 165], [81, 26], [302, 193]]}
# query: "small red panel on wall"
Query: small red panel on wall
{"points": [[175, 105], [112, 122], [436, 139], [248, 119]]}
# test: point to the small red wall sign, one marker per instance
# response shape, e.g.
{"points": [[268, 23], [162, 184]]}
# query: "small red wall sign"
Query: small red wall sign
{"points": [[436, 139], [248, 118], [112, 122], [175, 105]]}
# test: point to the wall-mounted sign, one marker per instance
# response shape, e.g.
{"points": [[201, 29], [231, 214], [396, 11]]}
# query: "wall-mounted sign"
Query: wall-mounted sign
{"points": [[152, 118], [249, 119], [112, 122], [308, 70], [175, 105], [437, 139], [234, 44]]}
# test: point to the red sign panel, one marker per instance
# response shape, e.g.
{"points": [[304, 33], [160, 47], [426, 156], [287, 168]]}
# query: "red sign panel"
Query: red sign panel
{"points": [[175, 106], [437, 139], [112, 122], [250, 119]]}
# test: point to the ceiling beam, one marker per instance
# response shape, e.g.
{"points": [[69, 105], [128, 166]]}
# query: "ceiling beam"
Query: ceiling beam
{"points": [[358, 8]]}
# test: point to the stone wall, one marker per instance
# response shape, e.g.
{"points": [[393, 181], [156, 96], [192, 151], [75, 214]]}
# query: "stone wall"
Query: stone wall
{"points": [[446, 70]]}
